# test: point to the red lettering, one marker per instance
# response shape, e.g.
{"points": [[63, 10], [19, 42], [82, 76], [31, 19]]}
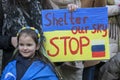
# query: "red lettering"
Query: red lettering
{"points": [[74, 30], [100, 28], [78, 29], [70, 46], [53, 44], [94, 29], [105, 33], [82, 39], [65, 44]]}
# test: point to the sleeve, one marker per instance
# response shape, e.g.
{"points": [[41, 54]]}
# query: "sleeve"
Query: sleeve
{"points": [[78, 3], [117, 2], [60, 4], [9, 73], [113, 10], [110, 70]]}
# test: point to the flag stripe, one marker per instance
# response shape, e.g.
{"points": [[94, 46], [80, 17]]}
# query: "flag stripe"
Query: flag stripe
{"points": [[98, 48], [65, 20], [98, 42], [98, 54]]}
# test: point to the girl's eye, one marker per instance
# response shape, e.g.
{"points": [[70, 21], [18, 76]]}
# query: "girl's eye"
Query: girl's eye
{"points": [[29, 44], [21, 44]]}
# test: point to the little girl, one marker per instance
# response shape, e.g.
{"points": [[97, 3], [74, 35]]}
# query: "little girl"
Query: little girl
{"points": [[29, 62]]}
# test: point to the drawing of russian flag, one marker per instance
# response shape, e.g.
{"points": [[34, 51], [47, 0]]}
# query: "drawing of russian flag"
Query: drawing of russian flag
{"points": [[98, 48]]}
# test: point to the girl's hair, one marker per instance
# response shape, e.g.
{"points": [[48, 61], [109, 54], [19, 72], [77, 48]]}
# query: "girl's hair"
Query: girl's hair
{"points": [[41, 53], [30, 31]]}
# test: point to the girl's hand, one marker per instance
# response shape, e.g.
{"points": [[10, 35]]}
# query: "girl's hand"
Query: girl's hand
{"points": [[72, 7]]}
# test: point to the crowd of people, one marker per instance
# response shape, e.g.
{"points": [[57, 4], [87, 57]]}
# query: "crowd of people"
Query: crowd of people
{"points": [[22, 41]]}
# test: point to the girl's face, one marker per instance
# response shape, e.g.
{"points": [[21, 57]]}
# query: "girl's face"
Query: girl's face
{"points": [[27, 46]]}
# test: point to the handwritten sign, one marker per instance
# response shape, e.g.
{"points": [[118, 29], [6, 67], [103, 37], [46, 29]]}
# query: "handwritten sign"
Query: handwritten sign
{"points": [[78, 35]]}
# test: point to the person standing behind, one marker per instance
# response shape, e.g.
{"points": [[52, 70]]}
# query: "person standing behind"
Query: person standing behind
{"points": [[19, 13], [110, 70], [30, 58], [114, 25]]}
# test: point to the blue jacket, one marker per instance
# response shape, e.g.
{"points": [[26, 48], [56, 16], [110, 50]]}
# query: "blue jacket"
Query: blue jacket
{"points": [[37, 71]]}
